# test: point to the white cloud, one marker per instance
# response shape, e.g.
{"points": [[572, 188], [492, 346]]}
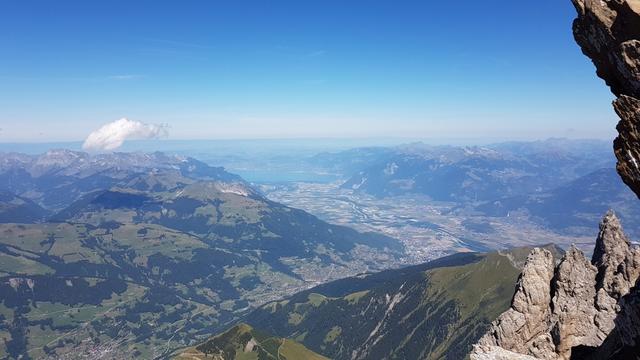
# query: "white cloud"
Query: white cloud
{"points": [[112, 135]]}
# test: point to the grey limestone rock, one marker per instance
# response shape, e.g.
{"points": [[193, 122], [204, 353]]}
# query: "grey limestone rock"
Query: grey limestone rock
{"points": [[573, 307]]}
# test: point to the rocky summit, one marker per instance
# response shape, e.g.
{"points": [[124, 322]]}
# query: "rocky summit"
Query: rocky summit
{"points": [[583, 309], [574, 309], [608, 31]]}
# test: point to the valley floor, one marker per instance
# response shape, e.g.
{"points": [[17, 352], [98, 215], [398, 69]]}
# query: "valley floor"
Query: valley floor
{"points": [[428, 229]]}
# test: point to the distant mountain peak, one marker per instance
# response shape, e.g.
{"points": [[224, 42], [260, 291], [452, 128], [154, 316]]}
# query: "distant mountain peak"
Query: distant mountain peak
{"points": [[59, 177]]}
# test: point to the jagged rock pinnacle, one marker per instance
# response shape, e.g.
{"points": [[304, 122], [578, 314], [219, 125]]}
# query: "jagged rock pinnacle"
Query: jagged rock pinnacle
{"points": [[522, 328], [617, 262], [576, 305], [595, 307]]}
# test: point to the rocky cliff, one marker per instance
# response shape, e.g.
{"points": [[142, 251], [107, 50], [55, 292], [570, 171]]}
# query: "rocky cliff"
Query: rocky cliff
{"points": [[584, 309], [608, 31], [569, 310]]}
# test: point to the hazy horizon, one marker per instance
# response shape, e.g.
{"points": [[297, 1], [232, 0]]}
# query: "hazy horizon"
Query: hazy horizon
{"points": [[34, 147], [314, 180]]}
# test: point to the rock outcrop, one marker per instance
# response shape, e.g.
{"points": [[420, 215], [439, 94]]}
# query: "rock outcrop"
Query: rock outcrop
{"points": [[623, 342], [485, 352], [593, 308], [574, 307], [608, 31], [523, 328]]}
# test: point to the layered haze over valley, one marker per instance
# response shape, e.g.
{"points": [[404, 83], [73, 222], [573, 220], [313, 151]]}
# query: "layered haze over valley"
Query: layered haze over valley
{"points": [[169, 249], [291, 180]]}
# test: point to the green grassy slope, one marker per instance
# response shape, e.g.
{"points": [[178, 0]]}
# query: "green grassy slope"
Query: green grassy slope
{"points": [[242, 342], [432, 311], [130, 271]]}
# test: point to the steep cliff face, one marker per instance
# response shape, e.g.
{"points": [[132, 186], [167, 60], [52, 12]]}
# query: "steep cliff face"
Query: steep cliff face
{"points": [[608, 31], [572, 308], [587, 309], [524, 326]]}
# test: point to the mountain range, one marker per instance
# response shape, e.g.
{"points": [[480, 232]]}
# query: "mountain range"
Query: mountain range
{"points": [[58, 177], [560, 185], [436, 310], [562, 308], [140, 254], [150, 254], [574, 206], [479, 173]]}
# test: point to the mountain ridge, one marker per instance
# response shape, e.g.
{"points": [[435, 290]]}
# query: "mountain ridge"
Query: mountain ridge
{"points": [[451, 173], [394, 313], [242, 341], [151, 258]]}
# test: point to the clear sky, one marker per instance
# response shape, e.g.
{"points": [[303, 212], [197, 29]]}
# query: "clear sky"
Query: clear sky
{"points": [[278, 69]]}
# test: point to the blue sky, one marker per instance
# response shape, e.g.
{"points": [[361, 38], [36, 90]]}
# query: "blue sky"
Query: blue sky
{"points": [[287, 69]]}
